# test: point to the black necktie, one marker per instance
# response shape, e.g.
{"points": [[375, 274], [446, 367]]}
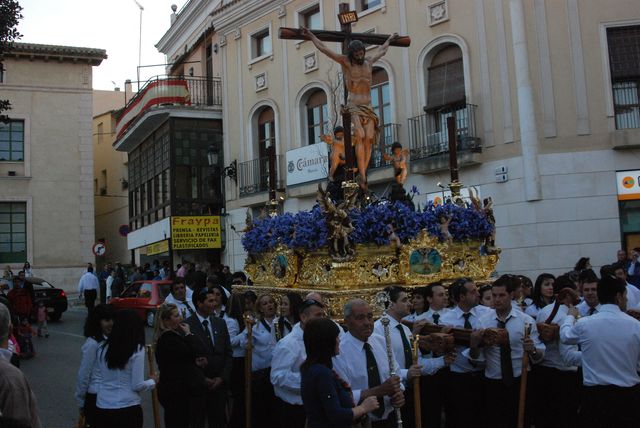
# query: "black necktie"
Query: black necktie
{"points": [[436, 318], [408, 356], [205, 325], [467, 323], [506, 365], [373, 375], [592, 311]]}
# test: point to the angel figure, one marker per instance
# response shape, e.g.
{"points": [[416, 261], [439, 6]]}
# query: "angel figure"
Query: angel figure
{"points": [[338, 225], [336, 143], [445, 220], [394, 240], [398, 159], [475, 200]]}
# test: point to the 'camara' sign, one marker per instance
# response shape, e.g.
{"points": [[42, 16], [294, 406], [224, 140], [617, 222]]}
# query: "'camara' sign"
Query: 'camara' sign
{"points": [[308, 163]]}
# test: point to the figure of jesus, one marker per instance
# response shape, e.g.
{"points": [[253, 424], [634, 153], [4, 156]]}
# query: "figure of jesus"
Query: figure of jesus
{"points": [[357, 69]]}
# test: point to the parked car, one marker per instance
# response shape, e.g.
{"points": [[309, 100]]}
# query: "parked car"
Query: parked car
{"points": [[55, 299], [144, 297]]}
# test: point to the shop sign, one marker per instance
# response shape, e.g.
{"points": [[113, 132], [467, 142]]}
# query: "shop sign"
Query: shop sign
{"points": [[628, 184], [195, 232], [158, 248], [308, 163]]}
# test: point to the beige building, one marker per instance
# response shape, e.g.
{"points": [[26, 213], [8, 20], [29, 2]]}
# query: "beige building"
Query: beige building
{"points": [[46, 161], [110, 177], [545, 95]]}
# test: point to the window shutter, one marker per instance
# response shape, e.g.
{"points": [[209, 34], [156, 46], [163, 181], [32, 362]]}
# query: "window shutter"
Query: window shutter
{"points": [[446, 84], [624, 52]]}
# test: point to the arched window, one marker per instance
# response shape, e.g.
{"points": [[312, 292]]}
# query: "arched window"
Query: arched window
{"points": [[317, 116], [445, 81]]}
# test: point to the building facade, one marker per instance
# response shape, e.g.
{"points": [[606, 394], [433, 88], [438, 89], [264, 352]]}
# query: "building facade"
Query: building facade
{"points": [[46, 161], [545, 95]]}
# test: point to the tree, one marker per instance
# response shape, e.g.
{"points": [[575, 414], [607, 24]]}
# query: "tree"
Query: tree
{"points": [[10, 14]]}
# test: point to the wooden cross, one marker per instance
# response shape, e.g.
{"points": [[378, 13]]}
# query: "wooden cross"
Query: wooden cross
{"points": [[345, 36]]}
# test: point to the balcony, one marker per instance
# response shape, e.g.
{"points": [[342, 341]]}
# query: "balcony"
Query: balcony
{"points": [[253, 176], [159, 94], [429, 138], [389, 134]]}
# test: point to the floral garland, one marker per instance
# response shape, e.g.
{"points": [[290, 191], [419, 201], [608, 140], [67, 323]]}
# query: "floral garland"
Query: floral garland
{"points": [[307, 230]]}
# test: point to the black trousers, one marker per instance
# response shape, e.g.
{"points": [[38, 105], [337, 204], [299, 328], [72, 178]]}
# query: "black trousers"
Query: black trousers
{"points": [[408, 411], [609, 406], [237, 393], [501, 403], [128, 417], [556, 398], [291, 415], [432, 390], [90, 410], [463, 405], [90, 299], [263, 400]]}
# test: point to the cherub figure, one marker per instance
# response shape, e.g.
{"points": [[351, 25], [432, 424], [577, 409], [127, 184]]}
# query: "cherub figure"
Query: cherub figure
{"points": [[336, 144], [394, 240], [445, 220], [398, 159]]}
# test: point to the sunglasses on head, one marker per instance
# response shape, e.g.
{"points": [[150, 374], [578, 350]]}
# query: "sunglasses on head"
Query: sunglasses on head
{"points": [[311, 302]]}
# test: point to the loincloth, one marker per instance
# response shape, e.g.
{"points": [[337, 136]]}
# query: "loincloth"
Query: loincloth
{"points": [[365, 113]]}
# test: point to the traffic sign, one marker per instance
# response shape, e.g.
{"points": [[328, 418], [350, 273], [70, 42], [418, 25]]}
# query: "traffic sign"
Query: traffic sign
{"points": [[99, 249]]}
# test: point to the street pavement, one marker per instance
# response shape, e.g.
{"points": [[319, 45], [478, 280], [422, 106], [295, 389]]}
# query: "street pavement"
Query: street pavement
{"points": [[52, 373]]}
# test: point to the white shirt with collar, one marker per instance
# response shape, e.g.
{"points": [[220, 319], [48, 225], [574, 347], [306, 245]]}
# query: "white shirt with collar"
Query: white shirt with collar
{"points": [[428, 315], [264, 342], [429, 365], [88, 281], [455, 318], [558, 355], [583, 308], [88, 380], [610, 343], [351, 365], [633, 297], [515, 327], [201, 319], [412, 317], [185, 307], [237, 338], [288, 355]]}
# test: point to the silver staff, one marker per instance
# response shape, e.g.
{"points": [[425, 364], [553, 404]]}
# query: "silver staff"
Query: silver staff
{"points": [[383, 300]]}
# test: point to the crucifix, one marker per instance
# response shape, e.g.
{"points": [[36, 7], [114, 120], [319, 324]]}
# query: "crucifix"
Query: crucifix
{"points": [[357, 71]]}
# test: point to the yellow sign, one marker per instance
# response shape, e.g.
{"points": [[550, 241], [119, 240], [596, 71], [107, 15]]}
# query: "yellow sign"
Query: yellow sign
{"points": [[348, 17], [195, 232], [158, 248]]}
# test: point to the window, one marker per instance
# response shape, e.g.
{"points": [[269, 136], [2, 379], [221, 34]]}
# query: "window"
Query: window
{"points": [[311, 18], [266, 139], [13, 232], [261, 44], [2, 70], [445, 84], [624, 57], [12, 141], [317, 116], [380, 97], [363, 5], [100, 133]]}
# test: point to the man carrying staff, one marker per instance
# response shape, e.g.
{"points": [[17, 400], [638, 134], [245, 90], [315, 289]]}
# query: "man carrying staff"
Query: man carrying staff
{"points": [[357, 70]]}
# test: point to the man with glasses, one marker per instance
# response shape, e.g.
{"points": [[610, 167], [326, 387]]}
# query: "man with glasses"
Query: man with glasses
{"points": [[288, 355]]}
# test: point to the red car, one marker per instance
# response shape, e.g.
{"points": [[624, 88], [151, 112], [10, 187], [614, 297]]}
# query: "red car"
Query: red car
{"points": [[144, 297]]}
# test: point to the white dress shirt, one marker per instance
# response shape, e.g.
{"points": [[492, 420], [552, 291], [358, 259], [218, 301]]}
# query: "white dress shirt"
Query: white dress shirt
{"points": [[237, 339], [264, 341], [558, 355], [412, 317], [288, 355], [455, 318], [633, 297], [610, 343], [532, 310], [120, 388], [428, 315], [351, 365], [515, 327], [109, 282], [429, 365], [583, 308], [88, 380], [88, 281], [185, 307]]}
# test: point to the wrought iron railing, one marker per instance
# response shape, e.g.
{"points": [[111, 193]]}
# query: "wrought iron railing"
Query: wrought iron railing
{"points": [[253, 175], [428, 135], [203, 91], [389, 134], [626, 103]]}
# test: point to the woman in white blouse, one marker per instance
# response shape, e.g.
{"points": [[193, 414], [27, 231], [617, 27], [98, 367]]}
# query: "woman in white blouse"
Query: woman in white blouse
{"points": [[121, 370], [97, 328]]}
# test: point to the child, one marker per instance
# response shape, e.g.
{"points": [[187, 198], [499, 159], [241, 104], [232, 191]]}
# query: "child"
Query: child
{"points": [[25, 333], [399, 160], [42, 320]]}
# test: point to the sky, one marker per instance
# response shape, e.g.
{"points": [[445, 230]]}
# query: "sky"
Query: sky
{"points": [[113, 25]]}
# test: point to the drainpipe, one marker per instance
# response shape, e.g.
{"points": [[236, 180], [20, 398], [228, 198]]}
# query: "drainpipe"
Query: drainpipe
{"points": [[526, 107]]}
